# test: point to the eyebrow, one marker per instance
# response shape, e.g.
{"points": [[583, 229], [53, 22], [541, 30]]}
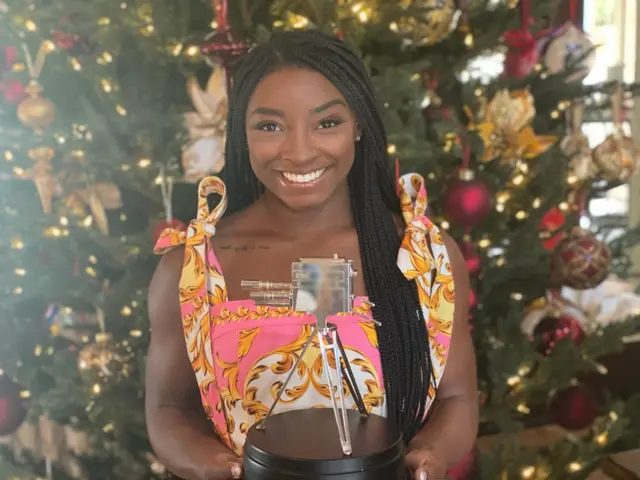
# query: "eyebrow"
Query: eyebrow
{"points": [[315, 110]]}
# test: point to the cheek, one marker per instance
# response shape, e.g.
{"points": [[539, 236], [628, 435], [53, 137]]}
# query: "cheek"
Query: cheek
{"points": [[263, 148], [340, 147]]}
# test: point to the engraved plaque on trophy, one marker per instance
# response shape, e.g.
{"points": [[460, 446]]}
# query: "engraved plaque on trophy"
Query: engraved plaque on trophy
{"points": [[321, 443]]}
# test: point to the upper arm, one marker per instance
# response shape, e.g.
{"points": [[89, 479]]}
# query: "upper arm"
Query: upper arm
{"points": [[170, 380], [460, 373]]}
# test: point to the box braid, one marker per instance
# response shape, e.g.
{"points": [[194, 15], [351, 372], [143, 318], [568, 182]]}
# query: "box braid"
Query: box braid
{"points": [[402, 336]]}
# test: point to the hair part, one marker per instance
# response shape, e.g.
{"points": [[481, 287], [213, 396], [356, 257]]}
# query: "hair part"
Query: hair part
{"points": [[402, 336]]}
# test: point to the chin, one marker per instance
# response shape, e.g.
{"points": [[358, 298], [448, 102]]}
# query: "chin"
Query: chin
{"points": [[299, 203]]}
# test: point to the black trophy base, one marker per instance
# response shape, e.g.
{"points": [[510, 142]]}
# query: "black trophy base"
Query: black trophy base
{"points": [[304, 444]]}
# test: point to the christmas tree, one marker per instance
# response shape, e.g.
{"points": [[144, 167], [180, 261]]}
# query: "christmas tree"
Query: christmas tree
{"points": [[112, 111]]}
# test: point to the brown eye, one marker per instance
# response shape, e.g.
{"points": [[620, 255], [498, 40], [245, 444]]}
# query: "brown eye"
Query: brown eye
{"points": [[268, 127], [329, 123]]}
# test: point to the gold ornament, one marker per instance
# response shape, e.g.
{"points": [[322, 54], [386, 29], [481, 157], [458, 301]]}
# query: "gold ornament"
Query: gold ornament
{"points": [[42, 175], [35, 111], [576, 147], [617, 156], [427, 21], [98, 356], [504, 127], [98, 198], [204, 152], [566, 48]]}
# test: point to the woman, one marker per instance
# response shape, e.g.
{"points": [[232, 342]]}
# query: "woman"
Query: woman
{"points": [[307, 175]]}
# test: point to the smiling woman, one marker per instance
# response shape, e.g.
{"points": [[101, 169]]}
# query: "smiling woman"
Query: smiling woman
{"points": [[303, 150], [307, 175]]}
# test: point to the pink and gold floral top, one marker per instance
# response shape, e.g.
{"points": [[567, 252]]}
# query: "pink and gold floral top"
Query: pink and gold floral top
{"points": [[241, 353]]}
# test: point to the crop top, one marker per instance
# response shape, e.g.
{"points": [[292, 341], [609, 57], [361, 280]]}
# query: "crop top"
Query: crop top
{"points": [[241, 352]]}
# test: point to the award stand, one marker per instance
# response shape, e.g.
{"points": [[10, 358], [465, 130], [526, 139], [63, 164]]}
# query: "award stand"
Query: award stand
{"points": [[301, 444]]}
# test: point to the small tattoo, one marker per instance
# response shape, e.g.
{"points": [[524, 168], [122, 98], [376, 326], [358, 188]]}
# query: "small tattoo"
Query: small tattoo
{"points": [[243, 248]]}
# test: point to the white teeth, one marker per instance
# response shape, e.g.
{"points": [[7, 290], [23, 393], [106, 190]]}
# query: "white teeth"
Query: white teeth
{"points": [[306, 178]]}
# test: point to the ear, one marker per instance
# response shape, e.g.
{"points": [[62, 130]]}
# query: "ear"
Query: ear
{"points": [[358, 133]]}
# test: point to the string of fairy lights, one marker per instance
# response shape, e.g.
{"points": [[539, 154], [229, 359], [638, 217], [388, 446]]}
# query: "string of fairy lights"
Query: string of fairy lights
{"points": [[361, 12]]}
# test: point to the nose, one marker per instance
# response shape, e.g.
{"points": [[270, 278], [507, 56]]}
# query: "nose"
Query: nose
{"points": [[298, 146]]}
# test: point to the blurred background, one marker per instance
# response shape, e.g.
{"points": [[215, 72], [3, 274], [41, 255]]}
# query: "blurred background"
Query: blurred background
{"points": [[520, 115]]}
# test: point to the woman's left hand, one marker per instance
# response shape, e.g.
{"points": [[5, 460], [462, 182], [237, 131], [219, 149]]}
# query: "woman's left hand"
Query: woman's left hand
{"points": [[425, 464]]}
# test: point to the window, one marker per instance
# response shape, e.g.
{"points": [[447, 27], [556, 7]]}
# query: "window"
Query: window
{"points": [[612, 26]]}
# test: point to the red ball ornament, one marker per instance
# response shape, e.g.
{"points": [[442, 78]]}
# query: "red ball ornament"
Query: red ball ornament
{"points": [[164, 224], [12, 407], [221, 46], [574, 408], [550, 330], [472, 258], [580, 261], [468, 200]]}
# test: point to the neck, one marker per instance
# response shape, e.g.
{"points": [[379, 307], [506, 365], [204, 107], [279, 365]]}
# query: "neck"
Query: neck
{"points": [[297, 224]]}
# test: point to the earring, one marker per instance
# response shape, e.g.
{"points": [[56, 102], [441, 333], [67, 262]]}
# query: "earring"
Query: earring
{"points": [[358, 138]]}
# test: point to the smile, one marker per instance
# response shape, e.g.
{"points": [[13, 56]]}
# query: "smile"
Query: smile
{"points": [[306, 179]]}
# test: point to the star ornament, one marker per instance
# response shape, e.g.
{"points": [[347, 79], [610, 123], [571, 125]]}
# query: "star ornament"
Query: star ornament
{"points": [[504, 125]]}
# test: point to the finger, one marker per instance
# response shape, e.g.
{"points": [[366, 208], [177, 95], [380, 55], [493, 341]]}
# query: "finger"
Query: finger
{"points": [[422, 474], [236, 470], [228, 467]]}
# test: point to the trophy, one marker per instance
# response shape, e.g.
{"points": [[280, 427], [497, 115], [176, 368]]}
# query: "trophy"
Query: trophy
{"points": [[318, 443]]}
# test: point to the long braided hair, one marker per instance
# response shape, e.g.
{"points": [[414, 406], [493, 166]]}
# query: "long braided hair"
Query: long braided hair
{"points": [[402, 335]]}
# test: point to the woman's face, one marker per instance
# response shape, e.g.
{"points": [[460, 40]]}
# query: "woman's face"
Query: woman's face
{"points": [[301, 136]]}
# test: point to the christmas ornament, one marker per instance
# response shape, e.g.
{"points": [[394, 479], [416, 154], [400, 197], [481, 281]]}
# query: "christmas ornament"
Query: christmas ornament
{"points": [[12, 407], [98, 356], [36, 111], [468, 200], [617, 157], [97, 198], [64, 322], [574, 408], [522, 46], [613, 301], [426, 22], [550, 228], [221, 47], [570, 47], [472, 258], [554, 328], [73, 43], [504, 127], [166, 190], [41, 175], [580, 261], [204, 152], [576, 146]]}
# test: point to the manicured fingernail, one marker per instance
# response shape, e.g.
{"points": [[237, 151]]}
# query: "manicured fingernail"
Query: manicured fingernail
{"points": [[236, 471], [423, 476]]}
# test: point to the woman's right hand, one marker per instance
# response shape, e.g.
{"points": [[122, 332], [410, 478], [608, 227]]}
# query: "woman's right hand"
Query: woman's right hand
{"points": [[225, 466]]}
